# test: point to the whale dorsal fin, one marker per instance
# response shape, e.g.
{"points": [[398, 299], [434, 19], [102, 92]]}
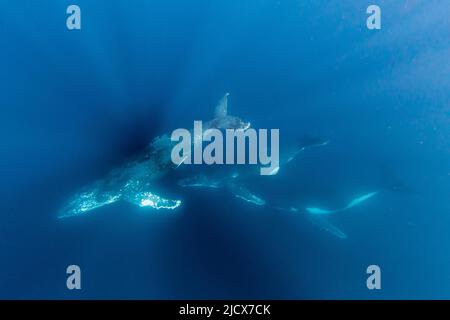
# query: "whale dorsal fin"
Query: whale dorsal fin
{"points": [[222, 107]]}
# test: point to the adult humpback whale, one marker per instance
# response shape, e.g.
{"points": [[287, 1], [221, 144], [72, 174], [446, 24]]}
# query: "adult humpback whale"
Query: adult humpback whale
{"points": [[135, 180]]}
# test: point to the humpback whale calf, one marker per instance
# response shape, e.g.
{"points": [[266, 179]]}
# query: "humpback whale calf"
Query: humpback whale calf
{"points": [[317, 215], [233, 183]]}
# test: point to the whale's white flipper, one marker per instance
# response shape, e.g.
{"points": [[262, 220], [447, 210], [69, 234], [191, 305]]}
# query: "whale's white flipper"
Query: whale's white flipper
{"points": [[149, 199], [103, 193], [354, 202], [142, 195], [222, 108], [325, 225], [245, 194], [361, 199], [319, 221], [318, 211]]}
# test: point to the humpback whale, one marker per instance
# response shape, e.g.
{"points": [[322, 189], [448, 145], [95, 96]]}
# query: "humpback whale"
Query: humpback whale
{"points": [[136, 180], [233, 183], [317, 216]]}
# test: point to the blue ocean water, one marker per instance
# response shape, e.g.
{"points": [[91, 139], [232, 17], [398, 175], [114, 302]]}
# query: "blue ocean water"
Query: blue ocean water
{"points": [[75, 104]]}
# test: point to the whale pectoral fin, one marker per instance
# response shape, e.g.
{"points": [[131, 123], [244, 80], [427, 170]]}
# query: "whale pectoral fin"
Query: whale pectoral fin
{"points": [[319, 211], [325, 225], [244, 194], [200, 181], [351, 204], [87, 201], [152, 200], [222, 107], [360, 199]]}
